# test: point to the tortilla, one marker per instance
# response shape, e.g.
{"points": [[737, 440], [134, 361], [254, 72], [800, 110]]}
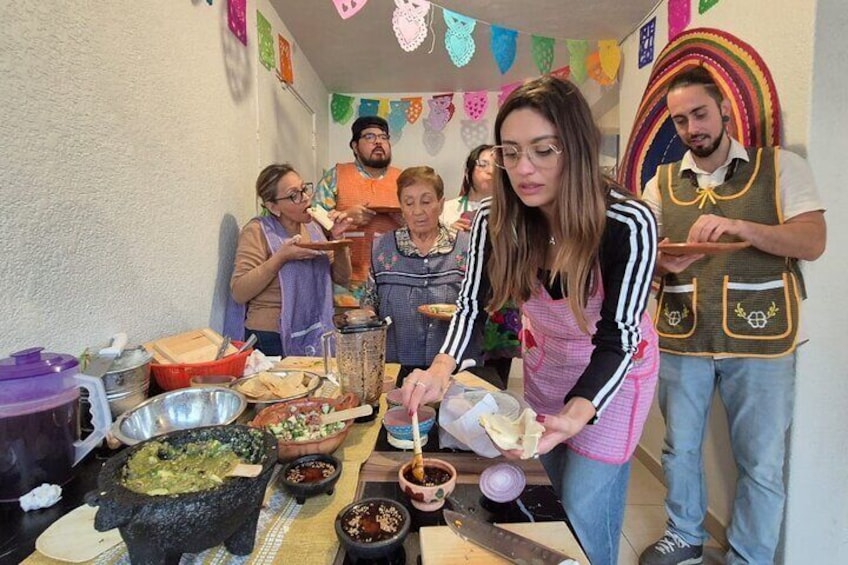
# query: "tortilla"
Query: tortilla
{"points": [[273, 386], [523, 433], [73, 538]]}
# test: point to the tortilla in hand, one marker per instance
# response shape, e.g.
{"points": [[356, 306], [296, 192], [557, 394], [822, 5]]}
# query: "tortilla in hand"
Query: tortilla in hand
{"points": [[523, 433]]}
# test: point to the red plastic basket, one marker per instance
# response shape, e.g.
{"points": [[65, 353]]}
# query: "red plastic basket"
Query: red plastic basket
{"points": [[178, 375]]}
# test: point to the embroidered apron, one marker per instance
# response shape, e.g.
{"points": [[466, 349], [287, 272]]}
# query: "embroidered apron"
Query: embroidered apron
{"points": [[353, 189], [307, 308], [556, 353]]}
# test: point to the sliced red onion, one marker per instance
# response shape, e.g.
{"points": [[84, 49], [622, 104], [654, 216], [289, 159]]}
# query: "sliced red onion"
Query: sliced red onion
{"points": [[502, 482]]}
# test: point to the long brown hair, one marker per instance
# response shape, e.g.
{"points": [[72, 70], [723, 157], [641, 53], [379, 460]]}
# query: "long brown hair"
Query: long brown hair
{"points": [[520, 235]]}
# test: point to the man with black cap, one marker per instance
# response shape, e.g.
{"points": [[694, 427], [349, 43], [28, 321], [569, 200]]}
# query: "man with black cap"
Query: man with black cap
{"points": [[365, 191]]}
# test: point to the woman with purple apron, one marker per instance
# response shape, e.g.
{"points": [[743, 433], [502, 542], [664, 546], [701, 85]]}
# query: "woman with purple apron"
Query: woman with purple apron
{"points": [[576, 254], [287, 288]]}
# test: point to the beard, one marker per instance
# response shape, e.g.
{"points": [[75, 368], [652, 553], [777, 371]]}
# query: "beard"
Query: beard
{"points": [[376, 162], [704, 152]]}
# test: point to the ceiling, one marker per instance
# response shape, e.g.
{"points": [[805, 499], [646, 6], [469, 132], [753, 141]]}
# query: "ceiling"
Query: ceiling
{"points": [[362, 54]]}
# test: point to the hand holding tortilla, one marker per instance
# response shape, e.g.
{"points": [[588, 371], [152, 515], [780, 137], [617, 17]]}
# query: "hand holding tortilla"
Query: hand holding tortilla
{"points": [[522, 433]]}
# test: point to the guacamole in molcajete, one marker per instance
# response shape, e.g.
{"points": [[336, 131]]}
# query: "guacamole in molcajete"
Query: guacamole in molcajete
{"points": [[160, 468]]}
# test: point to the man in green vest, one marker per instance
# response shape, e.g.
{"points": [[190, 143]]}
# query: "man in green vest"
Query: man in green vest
{"points": [[728, 319]]}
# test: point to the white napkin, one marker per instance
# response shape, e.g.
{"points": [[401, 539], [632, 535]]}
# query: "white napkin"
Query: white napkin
{"points": [[459, 418], [258, 362], [42, 496]]}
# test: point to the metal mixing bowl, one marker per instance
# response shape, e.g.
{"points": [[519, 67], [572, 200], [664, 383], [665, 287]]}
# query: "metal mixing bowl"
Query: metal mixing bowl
{"points": [[179, 410]]}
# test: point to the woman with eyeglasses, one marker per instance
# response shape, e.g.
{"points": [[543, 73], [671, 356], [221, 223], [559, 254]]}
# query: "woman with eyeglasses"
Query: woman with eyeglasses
{"points": [[287, 288], [476, 185], [576, 253]]}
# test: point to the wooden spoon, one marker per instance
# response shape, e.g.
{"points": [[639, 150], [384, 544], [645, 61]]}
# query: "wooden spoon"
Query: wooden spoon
{"points": [[348, 414], [417, 456], [245, 470]]}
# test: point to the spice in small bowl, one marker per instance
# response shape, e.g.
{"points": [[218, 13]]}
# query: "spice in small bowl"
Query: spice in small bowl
{"points": [[373, 528], [310, 475]]}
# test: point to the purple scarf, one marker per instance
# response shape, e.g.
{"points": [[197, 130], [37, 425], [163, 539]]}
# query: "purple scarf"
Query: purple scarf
{"points": [[307, 308]]}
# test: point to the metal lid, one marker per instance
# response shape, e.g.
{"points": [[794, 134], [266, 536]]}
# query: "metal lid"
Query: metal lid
{"points": [[35, 362], [358, 320], [130, 358]]}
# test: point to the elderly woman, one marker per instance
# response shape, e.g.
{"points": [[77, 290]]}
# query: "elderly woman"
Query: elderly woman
{"points": [[420, 263], [476, 185], [287, 287]]}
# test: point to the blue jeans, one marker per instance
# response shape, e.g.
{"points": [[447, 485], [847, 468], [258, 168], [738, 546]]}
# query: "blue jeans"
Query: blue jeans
{"points": [[758, 396], [593, 496], [268, 343]]}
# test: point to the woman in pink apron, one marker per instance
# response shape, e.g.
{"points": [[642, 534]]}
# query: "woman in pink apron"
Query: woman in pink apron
{"points": [[576, 253]]}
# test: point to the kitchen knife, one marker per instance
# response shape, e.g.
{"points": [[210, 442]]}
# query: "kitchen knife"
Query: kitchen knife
{"points": [[99, 364], [510, 546]]}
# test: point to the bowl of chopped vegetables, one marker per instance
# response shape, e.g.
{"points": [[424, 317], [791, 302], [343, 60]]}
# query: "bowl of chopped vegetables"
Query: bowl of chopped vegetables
{"points": [[298, 427]]}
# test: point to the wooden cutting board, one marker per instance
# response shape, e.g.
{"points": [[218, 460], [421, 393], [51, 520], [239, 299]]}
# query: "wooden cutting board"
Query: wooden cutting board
{"points": [[195, 346], [440, 546]]}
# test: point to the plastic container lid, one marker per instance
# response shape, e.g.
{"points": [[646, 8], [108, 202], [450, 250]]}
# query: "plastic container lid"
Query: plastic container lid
{"points": [[34, 362], [33, 380]]}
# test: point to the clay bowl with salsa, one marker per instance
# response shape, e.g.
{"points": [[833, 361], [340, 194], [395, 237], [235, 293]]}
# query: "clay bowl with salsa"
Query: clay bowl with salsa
{"points": [[196, 504], [296, 425], [373, 528], [310, 475], [439, 482]]}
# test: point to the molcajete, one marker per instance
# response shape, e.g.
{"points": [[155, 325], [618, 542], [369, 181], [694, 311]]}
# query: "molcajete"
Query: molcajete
{"points": [[159, 529]]}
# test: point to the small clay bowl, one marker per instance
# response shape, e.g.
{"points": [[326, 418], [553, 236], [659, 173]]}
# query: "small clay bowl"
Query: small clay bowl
{"points": [[394, 397], [373, 528], [310, 475], [429, 497]]}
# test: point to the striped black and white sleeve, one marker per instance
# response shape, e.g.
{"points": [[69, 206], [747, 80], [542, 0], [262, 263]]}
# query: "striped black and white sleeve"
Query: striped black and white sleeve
{"points": [[465, 333], [627, 256]]}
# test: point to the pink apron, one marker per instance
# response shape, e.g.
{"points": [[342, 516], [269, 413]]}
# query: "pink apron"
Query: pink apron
{"points": [[555, 354]]}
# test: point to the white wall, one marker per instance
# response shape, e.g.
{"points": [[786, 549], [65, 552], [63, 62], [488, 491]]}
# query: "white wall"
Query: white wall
{"points": [[817, 520], [130, 140], [782, 31], [447, 156]]}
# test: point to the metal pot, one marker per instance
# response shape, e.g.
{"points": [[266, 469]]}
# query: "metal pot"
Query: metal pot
{"points": [[126, 382]]}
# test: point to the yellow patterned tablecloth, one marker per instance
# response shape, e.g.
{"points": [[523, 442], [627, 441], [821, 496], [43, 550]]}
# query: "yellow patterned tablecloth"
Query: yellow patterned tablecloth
{"points": [[287, 532]]}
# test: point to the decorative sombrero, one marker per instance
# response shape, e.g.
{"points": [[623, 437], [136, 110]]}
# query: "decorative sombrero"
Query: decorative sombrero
{"points": [[737, 69]]}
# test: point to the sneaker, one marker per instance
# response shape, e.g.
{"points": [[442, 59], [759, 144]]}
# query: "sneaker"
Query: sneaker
{"points": [[672, 550]]}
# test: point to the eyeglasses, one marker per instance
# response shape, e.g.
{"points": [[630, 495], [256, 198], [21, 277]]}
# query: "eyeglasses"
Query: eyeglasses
{"points": [[298, 196], [483, 163], [372, 137], [541, 155]]}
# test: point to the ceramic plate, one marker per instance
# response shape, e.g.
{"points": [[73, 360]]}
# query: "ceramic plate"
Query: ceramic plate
{"points": [[438, 311], [707, 248], [325, 245]]}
